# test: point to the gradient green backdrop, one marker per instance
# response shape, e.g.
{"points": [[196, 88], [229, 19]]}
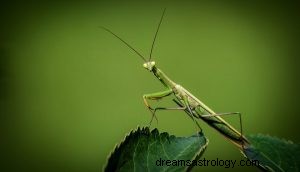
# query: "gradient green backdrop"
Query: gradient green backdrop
{"points": [[70, 91]]}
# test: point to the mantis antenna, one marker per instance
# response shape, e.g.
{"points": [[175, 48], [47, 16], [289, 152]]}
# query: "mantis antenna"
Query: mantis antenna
{"points": [[162, 16], [152, 46], [124, 42]]}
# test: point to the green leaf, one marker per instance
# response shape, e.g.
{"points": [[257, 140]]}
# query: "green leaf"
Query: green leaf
{"points": [[273, 154], [143, 150]]}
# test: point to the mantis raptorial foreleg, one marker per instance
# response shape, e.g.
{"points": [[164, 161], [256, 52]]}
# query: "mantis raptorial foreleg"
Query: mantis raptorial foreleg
{"points": [[155, 96], [162, 94]]}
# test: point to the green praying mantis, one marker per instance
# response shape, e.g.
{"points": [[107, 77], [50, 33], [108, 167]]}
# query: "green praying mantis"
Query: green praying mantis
{"points": [[185, 100]]}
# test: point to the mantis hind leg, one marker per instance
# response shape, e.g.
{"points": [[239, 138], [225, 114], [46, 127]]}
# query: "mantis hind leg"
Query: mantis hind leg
{"points": [[230, 113]]}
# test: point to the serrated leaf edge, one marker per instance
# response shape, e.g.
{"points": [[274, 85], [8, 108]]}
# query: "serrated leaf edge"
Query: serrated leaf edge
{"points": [[155, 131]]}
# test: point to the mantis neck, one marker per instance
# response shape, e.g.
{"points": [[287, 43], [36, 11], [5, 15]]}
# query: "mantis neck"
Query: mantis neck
{"points": [[163, 78]]}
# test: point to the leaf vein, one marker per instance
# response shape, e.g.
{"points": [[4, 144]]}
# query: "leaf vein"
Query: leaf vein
{"points": [[180, 153], [138, 142]]}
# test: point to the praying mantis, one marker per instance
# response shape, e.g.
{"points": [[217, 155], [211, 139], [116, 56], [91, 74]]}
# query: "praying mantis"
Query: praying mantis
{"points": [[185, 100]]}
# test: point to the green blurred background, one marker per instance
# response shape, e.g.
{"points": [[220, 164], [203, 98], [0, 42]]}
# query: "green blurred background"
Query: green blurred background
{"points": [[70, 91]]}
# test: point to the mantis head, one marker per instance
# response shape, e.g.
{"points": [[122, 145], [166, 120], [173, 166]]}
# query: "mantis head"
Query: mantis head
{"points": [[149, 65]]}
